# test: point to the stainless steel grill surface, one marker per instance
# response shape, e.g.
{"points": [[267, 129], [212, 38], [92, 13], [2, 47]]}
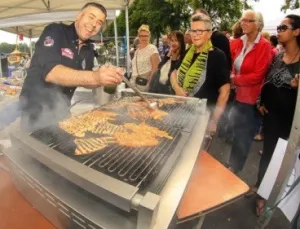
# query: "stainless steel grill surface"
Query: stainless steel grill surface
{"points": [[135, 166], [130, 187]]}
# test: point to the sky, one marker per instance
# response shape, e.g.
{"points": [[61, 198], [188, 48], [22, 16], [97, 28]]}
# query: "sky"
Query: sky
{"points": [[269, 8]]}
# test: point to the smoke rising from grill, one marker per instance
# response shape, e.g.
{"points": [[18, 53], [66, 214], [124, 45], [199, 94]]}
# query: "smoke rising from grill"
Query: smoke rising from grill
{"points": [[42, 107]]}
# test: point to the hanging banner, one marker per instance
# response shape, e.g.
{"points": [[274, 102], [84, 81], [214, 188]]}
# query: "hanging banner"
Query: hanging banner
{"points": [[21, 36]]}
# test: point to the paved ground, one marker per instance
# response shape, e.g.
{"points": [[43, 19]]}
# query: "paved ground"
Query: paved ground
{"points": [[240, 215]]}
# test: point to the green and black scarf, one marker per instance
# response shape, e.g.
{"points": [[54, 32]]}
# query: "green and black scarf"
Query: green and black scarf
{"points": [[191, 76]]}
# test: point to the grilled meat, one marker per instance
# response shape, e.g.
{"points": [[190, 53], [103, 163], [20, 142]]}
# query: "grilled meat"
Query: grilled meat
{"points": [[79, 125], [107, 128], [135, 139], [145, 113], [140, 135], [90, 145], [122, 102], [168, 101], [144, 129]]}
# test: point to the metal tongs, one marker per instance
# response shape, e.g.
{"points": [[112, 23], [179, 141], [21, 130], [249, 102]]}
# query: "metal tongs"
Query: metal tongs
{"points": [[137, 91]]}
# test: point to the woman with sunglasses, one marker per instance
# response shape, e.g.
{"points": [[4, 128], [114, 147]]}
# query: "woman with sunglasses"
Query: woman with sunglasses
{"points": [[204, 70], [279, 94], [145, 60], [251, 55]]}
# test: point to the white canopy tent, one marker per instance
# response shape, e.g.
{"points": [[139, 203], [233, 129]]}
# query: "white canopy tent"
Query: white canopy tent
{"points": [[271, 25], [33, 25], [14, 8], [31, 17]]}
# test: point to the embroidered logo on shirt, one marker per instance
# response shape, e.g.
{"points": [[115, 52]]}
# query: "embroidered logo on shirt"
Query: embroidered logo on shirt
{"points": [[83, 64], [67, 53], [48, 42]]}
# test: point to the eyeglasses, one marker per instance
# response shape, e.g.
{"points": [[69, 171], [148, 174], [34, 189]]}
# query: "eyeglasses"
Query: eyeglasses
{"points": [[198, 31], [283, 28], [245, 20]]}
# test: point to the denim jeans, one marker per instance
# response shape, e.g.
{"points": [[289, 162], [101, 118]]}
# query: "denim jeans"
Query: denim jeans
{"points": [[243, 117]]}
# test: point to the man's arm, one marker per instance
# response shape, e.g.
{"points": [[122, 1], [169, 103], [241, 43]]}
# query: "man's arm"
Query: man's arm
{"points": [[65, 76]]}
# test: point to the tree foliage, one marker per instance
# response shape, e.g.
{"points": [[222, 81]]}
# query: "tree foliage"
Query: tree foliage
{"points": [[8, 48], [290, 4], [167, 15]]}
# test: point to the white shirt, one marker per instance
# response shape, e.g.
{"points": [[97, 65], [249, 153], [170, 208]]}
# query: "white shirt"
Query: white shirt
{"points": [[142, 57]]}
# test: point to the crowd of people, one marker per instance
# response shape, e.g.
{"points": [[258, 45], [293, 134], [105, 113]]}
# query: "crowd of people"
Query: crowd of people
{"points": [[250, 79]]}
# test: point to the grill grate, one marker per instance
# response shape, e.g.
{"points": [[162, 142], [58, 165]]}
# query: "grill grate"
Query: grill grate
{"points": [[180, 115], [135, 166]]}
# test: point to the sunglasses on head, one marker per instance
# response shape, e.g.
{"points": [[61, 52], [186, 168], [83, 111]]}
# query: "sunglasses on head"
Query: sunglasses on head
{"points": [[283, 28]]}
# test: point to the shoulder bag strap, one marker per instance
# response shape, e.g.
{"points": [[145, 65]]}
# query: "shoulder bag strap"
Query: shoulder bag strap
{"points": [[136, 62]]}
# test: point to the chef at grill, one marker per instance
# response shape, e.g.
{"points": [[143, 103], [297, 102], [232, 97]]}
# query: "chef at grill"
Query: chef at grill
{"points": [[62, 61]]}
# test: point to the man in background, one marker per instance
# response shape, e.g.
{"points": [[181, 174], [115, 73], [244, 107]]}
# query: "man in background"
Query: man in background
{"points": [[188, 39], [164, 49]]}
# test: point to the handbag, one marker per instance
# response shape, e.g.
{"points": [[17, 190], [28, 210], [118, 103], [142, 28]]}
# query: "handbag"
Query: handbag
{"points": [[141, 80]]}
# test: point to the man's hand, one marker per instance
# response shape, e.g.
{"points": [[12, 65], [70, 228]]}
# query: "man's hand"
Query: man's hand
{"points": [[295, 82], [262, 110], [108, 75]]}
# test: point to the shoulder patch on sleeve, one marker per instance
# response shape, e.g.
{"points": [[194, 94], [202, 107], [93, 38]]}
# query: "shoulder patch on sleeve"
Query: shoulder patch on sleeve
{"points": [[48, 42]]}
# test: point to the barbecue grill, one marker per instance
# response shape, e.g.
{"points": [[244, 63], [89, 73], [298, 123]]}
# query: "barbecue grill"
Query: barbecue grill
{"points": [[136, 187]]}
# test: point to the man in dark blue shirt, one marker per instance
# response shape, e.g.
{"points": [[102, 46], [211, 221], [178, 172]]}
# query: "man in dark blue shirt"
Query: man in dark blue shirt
{"points": [[63, 60]]}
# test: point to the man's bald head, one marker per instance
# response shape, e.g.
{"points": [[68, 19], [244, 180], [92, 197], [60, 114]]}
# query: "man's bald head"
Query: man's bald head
{"points": [[165, 39]]}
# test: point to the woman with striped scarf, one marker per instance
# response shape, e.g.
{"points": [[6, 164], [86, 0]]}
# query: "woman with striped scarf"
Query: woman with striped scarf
{"points": [[204, 71]]}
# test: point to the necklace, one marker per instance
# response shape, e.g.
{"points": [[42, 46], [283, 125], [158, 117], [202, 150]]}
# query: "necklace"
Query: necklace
{"points": [[294, 56]]}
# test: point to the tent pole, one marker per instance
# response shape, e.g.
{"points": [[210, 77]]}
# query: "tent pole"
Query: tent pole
{"points": [[127, 39], [17, 39], [1, 74], [30, 45], [116, 41]]}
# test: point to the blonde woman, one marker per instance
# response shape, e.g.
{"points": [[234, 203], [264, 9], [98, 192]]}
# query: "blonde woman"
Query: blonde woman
{"points": [[145, 61]]}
